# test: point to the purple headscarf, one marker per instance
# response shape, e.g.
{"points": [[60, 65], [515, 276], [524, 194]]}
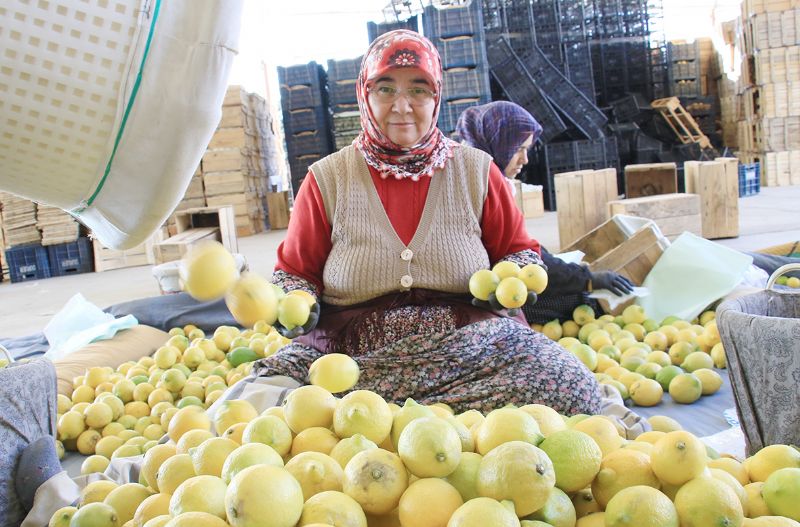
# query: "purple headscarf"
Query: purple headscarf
{"points": [[498, 128]]}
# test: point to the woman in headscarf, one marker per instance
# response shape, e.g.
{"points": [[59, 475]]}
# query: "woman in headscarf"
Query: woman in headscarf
{"points": [[506, 131], [386, 234]]}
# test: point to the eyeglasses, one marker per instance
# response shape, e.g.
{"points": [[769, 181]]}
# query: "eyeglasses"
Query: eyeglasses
{"points": [[415, 95]]}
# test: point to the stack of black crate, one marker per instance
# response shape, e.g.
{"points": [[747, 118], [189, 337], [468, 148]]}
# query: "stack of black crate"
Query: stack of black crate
{"points": [[306, 117], [374, 29], [684, 69], [342, 78], [458, 34]]}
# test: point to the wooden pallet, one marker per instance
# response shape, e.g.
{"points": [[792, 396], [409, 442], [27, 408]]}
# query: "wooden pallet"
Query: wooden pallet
{"points": [[681, 122]]}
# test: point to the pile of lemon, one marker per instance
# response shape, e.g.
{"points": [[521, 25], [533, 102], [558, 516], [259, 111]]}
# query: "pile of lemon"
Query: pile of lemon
{"points": [[509, 282], [789, 281], [123, 412], [358, 461], [643, 359]]}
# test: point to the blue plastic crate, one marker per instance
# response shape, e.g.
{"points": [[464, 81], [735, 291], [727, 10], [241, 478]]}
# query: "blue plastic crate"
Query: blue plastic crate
{"points": [[28, 262], [449, 22], [71, 258], [749, 179], [466, 84], [340, 70]]}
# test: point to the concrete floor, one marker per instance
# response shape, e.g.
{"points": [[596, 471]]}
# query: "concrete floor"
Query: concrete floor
{"points": [[769, 218]]}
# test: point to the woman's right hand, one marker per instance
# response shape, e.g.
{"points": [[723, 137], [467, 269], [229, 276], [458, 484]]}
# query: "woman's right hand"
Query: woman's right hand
{"points": [[493, 305], [313, 319]]}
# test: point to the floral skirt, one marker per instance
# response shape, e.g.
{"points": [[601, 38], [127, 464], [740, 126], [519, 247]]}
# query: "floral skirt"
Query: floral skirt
{"points": [[483, 366]]}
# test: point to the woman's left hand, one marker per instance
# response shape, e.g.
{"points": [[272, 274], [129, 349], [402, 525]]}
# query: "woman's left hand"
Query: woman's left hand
{"points": [[313, 319]]}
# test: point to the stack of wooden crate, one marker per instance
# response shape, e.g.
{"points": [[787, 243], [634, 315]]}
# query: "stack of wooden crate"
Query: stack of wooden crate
{"points": [[240, 164], [56, 225], [769, 89], [4, 273], [19, 221]]}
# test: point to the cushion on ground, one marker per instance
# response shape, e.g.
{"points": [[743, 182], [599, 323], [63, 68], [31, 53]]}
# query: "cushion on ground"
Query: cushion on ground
{"points": [[128, 345]]}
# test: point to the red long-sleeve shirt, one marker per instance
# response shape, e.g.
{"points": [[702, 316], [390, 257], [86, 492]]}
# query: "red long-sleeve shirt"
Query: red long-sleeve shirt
{"points": [[308, 241]]}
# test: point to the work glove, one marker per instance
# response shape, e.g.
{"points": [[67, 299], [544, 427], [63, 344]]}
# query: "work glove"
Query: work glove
{"points": [[493, 305], [296, 331], [616, 283]]}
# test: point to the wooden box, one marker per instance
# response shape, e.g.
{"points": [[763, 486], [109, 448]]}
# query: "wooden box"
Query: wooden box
{"points": [[278, 209], [517, 193], [650, 179], [626, 245], [532, 203], [581, 198], [220, 218], [673, 213], [176, 247], [717, 184], [224, 160]]}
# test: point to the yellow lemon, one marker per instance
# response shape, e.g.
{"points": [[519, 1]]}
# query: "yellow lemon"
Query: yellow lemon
{"points": [[87, 440], [332, 508], [252, 298], [173, 472], [152, 507], [570, 329], [207, 271], [195, 519], [482, 512], [96, 491], [697, 360], [408, 412], [575, 456], [597, 519], [62, 517], [71, 425], [511, 292], [535, 278], [430, 447], [314, 439], [483, 283], [662, 423], [707, 501], [622, 469], [506, 269], [718, 355], [309, 406], [781, 492], [231, 412], [126, 499], [583, 314], [94, 464], [517, 471], [293, 311], [772, 458], [465, 477], [200, 494], [756, 506], [504, 425], [335, 372], [316, 472], [376, 479], [346, 448], [94, 514], [641, 506], [428, 502], [558, 510], [553, 330], [685, 388], [602, 431], [734, 485], [189, 418], [235, 432], [191, 439], [247, 456], [678, 457], [732, 467], [584, 503], [209, 457], [549, 420], [153, 459], [646, 392], [363, 412], [770, 521], [271, 431]]}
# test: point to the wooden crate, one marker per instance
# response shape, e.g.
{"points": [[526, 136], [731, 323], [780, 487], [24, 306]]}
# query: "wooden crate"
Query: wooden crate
{"points": [[218, 183], [581, 199], [221, 218], [623, 244], [223, 160], [532, 203], [278, 209], [650, 179], [176, 247], [232, 138], [717, 184], [673, 213]]}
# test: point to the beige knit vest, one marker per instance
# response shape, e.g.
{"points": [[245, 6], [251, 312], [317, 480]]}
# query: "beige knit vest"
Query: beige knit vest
{"points": [[369, 260]]}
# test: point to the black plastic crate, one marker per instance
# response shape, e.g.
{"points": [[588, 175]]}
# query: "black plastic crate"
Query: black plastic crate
{"points": [[305, 120], [299, 166], [343, 121], [306, 143], [749, 179], [301, 96], [449, 113], [461, 52], [71, 258], [375, 29], [686, 88], [346, 69], [683, 51], [631, 108], [311, 74], [684, 70], [461, 83], [518, 85], [342, 93], [449, 22], [28, 262]]}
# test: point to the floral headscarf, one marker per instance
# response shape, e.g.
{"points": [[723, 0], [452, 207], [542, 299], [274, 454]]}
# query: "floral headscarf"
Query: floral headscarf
{"points": [[498, 128], [401, 49]]}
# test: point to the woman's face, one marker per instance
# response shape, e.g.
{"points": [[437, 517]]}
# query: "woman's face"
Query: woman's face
{"points": [[520, 159], [406, 119]]}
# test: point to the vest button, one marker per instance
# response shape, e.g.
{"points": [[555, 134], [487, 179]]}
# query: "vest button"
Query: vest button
{"points": [[406, 281], [406, 255]]}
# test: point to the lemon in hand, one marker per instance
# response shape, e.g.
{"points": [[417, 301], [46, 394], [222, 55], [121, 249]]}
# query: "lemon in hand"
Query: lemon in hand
{"points": [[293, 311], [207, 271], [483, 283], [505, 269], [336, 372], [251, 299], [511, 292], [535, 278]]}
